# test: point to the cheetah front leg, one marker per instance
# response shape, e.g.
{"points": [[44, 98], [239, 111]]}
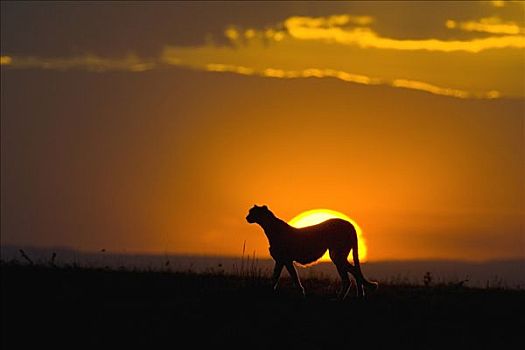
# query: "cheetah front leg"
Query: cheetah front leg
{"points": [[276, 274]]}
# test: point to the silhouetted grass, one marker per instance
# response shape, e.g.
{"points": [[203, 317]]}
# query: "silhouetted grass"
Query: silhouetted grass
{"points": [[97, 307]]}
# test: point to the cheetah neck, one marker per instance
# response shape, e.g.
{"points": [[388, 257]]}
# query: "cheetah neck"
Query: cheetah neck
{"points": [[274, 228]]}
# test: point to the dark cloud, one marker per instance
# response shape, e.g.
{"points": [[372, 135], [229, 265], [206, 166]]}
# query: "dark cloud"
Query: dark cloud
{"points": [[118, 28]]}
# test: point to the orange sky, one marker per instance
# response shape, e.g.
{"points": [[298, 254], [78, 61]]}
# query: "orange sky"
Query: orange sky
{"points": [[157, 131]]}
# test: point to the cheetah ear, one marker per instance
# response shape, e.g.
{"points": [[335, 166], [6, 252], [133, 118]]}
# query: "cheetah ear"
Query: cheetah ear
{"points": [[265, 207]]}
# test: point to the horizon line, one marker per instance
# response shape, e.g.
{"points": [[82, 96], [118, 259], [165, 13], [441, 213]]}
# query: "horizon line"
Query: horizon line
{"points": [[105, 251]]}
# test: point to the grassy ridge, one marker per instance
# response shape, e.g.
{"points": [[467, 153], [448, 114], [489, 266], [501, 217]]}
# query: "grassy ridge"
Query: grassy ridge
{"points": [[97, 308]]}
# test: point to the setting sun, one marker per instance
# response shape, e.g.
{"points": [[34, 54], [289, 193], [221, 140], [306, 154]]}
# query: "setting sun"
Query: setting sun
{"points": [[316, 216]]}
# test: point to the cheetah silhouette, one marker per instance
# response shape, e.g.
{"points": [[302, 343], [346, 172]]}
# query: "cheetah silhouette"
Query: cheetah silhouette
{"points": [[306, 245]]}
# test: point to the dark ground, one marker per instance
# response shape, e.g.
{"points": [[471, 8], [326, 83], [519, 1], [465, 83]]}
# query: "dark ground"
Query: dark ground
{"points": [[96, 308]]}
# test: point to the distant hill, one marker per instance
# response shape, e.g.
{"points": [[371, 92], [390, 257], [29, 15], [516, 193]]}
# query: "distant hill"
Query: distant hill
{"points": [[497, 273]]}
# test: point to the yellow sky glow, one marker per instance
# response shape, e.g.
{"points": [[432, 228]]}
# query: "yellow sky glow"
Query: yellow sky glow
{"points": [[493, 25], [158, 136], [307, 28]]}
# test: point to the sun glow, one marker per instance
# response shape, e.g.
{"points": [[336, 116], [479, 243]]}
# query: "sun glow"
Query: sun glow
{"points": [[316, 216]]}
